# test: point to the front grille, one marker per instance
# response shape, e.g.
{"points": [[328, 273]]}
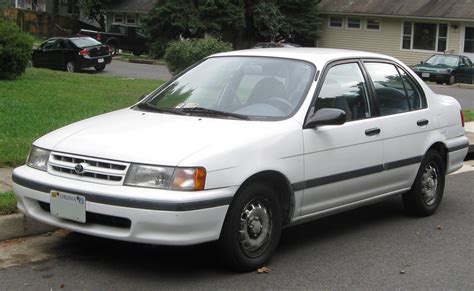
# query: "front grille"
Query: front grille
{"points": [[93, 169], [96, 218]]}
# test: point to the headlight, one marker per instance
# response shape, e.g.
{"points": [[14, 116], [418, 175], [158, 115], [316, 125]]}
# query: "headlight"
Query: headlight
{"points": [[38, 158], [183, 179], [445, 70]]}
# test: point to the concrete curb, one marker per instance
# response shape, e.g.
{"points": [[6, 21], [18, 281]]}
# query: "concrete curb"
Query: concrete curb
{"points": [[18, 225]]}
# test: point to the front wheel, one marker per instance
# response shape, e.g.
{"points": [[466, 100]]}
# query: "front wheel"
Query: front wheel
{"points": [[252, 228], [427, 191], [99, 68]]}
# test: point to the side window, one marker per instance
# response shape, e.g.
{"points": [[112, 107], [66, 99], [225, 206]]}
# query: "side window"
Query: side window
{"points": [[389, 88], [468, 62], [344, 88]]}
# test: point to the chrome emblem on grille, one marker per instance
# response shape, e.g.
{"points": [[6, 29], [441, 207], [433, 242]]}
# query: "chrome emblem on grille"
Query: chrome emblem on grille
{"points": [[79, 169]]}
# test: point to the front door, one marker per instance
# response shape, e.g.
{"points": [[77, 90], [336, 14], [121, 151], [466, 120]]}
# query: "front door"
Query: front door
{"points": [[342, 162]]}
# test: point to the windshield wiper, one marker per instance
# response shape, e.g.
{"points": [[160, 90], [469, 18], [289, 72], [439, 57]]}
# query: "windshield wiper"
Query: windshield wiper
{"points": [[147, 107], [212, 112]]}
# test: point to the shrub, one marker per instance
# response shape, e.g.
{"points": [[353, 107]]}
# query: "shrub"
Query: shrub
{"points": [[182, 54], [158, 49], [15, 50]]}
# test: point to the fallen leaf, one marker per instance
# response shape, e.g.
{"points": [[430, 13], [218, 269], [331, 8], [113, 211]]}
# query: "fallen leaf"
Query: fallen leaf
{"points": [[263, 269], [402, 272], [61, 286], [439, 227]]}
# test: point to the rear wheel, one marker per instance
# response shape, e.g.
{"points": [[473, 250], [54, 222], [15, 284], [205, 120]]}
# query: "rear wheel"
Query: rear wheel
{"points": [[427, 191], [252, 228], [71, 67], [99, 68]]}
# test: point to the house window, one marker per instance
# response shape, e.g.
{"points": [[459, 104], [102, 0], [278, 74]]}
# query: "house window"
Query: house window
{"points": [[131, 18], [353, 22], [469, 40], [72, 7], [335, 21], [20, 4], [425, 36], [372, 24], [118, 18]]}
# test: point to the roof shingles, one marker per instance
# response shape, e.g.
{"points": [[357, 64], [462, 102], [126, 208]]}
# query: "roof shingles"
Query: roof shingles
{"points": [[457, 9]]}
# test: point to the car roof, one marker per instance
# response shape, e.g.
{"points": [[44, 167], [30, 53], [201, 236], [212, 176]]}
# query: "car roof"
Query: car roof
{"points": [[317, 56]]}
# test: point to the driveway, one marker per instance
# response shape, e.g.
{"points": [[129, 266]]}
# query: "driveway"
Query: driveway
{"points": [[464, 96], [132, 70]]}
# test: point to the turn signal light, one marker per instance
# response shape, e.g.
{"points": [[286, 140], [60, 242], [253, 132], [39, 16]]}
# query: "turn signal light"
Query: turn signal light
{"points": [[189, 179], [84, 52]]}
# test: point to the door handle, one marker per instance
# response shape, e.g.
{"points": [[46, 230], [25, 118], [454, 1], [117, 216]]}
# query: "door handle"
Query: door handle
{"points": [[372, 131], [422, 122]]}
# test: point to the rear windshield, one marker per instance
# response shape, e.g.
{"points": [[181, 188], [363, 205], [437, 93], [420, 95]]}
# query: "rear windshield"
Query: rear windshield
{"points": [[82, 42]]}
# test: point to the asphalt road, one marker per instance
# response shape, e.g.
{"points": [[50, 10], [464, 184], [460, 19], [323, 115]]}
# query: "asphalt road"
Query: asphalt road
{"points": [[374, 247], [132, 70]]}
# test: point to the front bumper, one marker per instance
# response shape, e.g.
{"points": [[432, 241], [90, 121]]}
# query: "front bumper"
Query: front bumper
{"points": [[127, 213]]}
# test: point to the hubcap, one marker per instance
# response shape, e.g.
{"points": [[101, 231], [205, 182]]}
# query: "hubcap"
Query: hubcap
{"points": [[70, 67], [429, 184], [255, 228]]}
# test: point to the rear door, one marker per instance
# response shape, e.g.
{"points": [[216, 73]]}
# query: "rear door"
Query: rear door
{"points": [[342, 162], [405, 122]]}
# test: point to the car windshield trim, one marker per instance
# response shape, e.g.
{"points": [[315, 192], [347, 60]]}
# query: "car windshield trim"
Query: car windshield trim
{"points": [[212, 112], [311, 79], [150, 108]]}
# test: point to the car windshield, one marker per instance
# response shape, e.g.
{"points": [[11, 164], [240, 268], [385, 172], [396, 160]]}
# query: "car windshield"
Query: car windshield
{"points": [[82, 42], [249, 87], [450, 61]]}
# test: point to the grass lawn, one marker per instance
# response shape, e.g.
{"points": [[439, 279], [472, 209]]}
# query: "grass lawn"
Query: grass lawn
{"points": [[43, 100], [7, 203], [468, 115]]}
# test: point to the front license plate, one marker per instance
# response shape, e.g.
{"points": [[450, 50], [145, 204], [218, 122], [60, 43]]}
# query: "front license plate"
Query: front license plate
{"points": [[100, 60], [68, 206], [425, 75]]}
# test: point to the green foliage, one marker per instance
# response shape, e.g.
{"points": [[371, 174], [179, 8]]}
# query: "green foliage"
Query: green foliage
{"points": [[268, 21], [15, 50], [182, 54], [94, 10], [303, 20], [158, 48], [7, 203], [219, 16]]}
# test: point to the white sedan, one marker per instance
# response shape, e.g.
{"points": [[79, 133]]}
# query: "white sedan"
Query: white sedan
{"points": [[245, 143]]}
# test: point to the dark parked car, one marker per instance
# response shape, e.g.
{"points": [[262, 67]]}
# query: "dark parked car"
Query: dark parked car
{"points": [[446, 68], [72, 54], [121, 36]]}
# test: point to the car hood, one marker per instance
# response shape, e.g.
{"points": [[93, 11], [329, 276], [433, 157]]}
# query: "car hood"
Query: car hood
{"points": [[429, 67], [150, 138]]}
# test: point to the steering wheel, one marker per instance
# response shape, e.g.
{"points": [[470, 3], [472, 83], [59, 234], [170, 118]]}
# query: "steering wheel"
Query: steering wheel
{"points": [[280, 103]]}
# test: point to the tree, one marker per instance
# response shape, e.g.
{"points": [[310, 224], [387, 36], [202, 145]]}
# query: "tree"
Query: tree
{"points": [[94, 10], [222, 16], [268, 21], [303, 20]]}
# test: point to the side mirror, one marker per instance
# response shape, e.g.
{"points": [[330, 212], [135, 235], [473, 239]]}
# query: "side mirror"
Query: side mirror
{"points": [[326, 116]]}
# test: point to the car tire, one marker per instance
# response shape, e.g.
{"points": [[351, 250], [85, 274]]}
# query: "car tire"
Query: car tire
{"points": [[71, 67], [427, 191], [451, 80], [252, 228], [99, 68]]}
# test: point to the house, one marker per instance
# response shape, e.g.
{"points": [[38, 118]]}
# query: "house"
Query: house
{"points": [[410, 30], [128, 12], [65, 7]]}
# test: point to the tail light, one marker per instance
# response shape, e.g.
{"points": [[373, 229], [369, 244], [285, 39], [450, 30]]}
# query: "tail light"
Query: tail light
{"points": [[462, 118], [109, 49], [98, 36], [84, 52]]}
